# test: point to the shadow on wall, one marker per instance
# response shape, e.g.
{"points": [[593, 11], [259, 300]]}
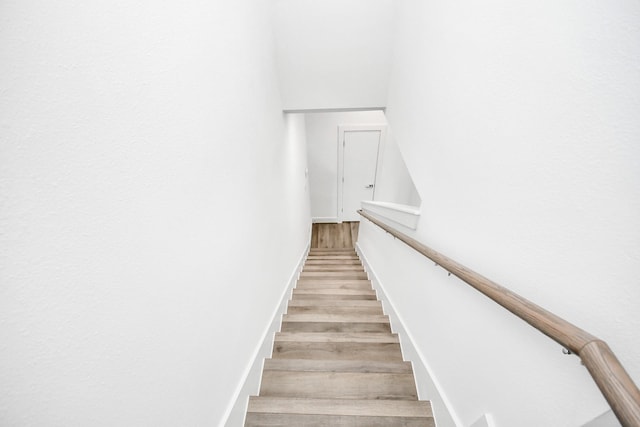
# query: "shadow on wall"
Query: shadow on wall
{"points": [[394, 182]]}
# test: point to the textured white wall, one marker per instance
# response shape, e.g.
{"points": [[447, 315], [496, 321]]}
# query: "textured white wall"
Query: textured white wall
{"points": [[333, 53], [519, 123], [322, 143], [152, 208]]}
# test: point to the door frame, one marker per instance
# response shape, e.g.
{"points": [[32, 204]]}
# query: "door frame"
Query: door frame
{"points": [[342, 129]]}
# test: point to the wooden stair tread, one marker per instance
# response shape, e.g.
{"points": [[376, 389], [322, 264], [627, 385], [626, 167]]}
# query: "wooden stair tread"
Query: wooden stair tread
{"points": [[335, 291], [299, 306], [339, 385], [301, 302], [354, 286], [332, 256], [334, 274], [331, 249], [335, 281], [330, 322], [354, 407], [337, 337], [389, 352], [335, 310], [332, 318], [333, 253], [363, 366], [333, 268], [307, 294], [332, 262]]}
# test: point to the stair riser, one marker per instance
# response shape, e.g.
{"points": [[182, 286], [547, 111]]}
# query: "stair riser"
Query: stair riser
{"points": [[334, 327], [280, 420], [384, 352], [338, 385]]}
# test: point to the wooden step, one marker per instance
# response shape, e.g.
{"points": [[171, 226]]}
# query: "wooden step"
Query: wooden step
{"points": [[363, 366], [351, 255], [334, 284], [301, 306], [339, 294], [335, 323], [333, 252], [336, 268], [278, 411], [334, 310], [338, 250], [333, 257], [333, 262], [333, 275], [338, 385], [334, 303], [337, 346]]}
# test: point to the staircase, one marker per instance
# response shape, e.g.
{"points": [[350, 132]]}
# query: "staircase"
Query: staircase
{"points": [[336, 361]]}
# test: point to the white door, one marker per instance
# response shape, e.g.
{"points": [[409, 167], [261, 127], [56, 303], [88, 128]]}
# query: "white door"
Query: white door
{"points": [[360, 148]]}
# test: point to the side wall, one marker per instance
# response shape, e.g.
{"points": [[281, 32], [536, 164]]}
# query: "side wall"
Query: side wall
{"points": [[519, 124], [153, 208]]}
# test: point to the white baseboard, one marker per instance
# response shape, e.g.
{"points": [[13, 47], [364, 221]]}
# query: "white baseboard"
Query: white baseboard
{"points": [[427, 384], [250, 385]]}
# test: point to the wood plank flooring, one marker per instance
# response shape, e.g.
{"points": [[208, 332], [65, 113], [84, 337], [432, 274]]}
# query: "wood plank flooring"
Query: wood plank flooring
{"points": [[334, 236], [335, 361]]}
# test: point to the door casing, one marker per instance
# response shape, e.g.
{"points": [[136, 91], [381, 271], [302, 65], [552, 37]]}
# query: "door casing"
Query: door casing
{"points": [[342, 129]]}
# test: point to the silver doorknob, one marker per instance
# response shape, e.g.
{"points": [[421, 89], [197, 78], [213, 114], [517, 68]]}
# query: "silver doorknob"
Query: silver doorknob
{"points": [[368, 186]]}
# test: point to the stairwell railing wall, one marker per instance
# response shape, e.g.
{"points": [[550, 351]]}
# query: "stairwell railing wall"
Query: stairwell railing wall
{"points": [[606, 370]]}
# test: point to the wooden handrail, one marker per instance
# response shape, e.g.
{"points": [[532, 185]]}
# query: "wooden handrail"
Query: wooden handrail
{"points": [[606, 370]]}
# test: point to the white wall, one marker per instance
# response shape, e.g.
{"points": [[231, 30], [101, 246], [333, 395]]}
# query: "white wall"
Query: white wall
{"points": [[322, 146], [333, 53], [250, 386], [519, 124], [152, 208]]}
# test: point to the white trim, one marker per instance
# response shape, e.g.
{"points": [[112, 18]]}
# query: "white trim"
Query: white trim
{"points": [[382, 128], [324, 219], [405, 215], [250, 384], [334, 110], [427, 384]]}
